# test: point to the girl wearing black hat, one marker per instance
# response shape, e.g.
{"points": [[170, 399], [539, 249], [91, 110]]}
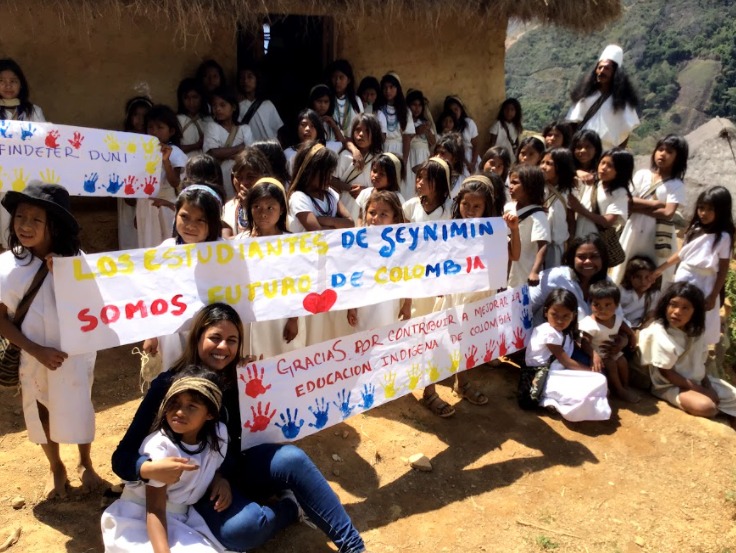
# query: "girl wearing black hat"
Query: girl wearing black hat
{"points": [[56, 387]]}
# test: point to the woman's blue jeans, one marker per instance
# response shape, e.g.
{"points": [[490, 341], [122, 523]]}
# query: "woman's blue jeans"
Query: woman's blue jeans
{"points": [[268, 469]]}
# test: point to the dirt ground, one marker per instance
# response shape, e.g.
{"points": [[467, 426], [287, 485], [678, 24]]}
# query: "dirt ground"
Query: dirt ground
{"points": [[650, 479]]}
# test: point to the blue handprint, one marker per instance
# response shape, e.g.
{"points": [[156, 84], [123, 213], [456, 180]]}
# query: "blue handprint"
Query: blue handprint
{"points": [[320, 414], [5, 130], [526, 319], [27, 132], [289, 427], [368, 393], [114, 185], [525, 296], [344, 403], [90, 182]]}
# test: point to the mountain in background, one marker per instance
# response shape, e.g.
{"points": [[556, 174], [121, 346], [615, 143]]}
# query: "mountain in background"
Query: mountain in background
{"points": [[680, 54]]}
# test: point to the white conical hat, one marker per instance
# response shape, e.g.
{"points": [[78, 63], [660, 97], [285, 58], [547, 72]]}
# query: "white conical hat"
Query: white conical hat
{"points": [[614, 53]]}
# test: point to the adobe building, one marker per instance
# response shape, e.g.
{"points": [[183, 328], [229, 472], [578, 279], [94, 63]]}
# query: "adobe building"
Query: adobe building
{"points": [[85, 58]]}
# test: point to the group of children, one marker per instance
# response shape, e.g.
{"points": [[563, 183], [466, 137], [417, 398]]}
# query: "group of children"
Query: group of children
{"points": [[374, 157]]}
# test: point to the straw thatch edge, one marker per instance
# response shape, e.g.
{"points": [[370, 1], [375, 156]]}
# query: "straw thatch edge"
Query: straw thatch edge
{"points": [[201, 18]]}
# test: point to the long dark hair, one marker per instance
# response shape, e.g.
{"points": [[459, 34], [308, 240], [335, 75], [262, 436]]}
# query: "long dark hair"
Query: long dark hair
{"points": [[385, 163], [26, 107], [130, 106], [564, 168], [461, 123], [562, 128], [370, 122], [202, 71], [516, 121], [185, 87], [399, 101], [623, 163], [276, 159], [436, 174], [501, 153], [206, 201], [207, 435], [592, 138], [452, 143], [322, 165], [623, 92], [719, 198], [565, 298], [316, 122], [679, 145], [204, 169], [474, 186], [64, 239], [266, 190], [164, 114], [206, 317], [344, 67], [693, 294], [532, 181], [595, 240], [228, 94]]}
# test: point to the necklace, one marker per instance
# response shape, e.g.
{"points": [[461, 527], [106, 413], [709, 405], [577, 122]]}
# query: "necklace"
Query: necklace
{"points": [[343, 108], [242, 218], [322, 212], [392, 121]]}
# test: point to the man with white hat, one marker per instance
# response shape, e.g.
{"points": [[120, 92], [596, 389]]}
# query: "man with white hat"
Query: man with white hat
{"points": [[605, 100]]}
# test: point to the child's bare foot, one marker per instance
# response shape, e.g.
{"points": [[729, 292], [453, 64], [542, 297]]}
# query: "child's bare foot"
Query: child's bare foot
{"points": [[91, 481], [56, 484], [627, 394]]}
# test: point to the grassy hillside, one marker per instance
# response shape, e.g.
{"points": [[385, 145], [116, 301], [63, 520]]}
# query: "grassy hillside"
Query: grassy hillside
{"points": [[681, 54]]}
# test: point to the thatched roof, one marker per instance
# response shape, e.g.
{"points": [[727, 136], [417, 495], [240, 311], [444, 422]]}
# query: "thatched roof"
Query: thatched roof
{"points": [[200, 17]]}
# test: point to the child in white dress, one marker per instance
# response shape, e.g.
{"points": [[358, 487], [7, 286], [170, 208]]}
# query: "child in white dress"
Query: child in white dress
{"points": [[197, 220], [250, 165], [424, 139], [192, 114], [467, 128], [397, 122], [385, 174], [266, 213], [573, 389], [155, 216], [151, 516], [559, 176], [507, 129], [597, 329], [675, 349], [705, 254], [56, 387], [526, 186], [256, 111], [639, 291], [368, 92], [586, 150]]}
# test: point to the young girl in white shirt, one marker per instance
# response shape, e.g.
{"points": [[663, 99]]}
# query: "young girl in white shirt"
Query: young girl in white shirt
{"points": [[397, 122], [559, 177], [224, 138], [386, 172], [255, 111], [192, 114], [424, 139], [467, 128], [507, 129], [347, 105]]}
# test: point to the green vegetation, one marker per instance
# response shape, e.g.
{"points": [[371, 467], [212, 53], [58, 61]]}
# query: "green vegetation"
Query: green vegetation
{"points": [[661, 39], [546, 543], [730, 354]]}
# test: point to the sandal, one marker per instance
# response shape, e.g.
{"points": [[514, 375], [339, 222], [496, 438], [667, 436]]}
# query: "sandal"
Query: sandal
{"points": [[473, 395], [438, 406]]}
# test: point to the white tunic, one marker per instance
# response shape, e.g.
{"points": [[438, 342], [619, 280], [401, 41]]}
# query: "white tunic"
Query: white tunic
{"points": [[362, 200], [534, 228], [616, 203], [614, 127], [634, 307], [347, 173], [124, 522], [192, 131], [470, 132], [156, 224], [418, 154], [215, 136], [599, 333], [576, 395], [671, 349], [502, 138], [699, 260], [344, 114], [266, 121], [65, 392], [557, 216], [638, 236]]}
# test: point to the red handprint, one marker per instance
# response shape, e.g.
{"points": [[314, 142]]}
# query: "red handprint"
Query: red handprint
{"points": [[51, 139], [519, 341], [261, 418], [490, 347], [502, 347], [149, 185], [254, 385], [129, 183], [76, 140], [470, 357]]}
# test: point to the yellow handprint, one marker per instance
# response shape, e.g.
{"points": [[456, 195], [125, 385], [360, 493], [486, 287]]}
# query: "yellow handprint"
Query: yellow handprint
{"points": [[149, 146], [433, 371], [389, 385], [414, 375], [131, 147], [20, 180], [152, 164], [49, 176], [112, 143], [454, 361]]}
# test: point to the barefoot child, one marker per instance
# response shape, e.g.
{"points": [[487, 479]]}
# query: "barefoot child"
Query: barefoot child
{"points": [[573, 389], [675, 349], [56, 387], [151, 515], [597, 329]]}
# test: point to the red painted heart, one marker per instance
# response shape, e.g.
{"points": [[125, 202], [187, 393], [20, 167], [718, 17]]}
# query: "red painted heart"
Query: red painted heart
{"points": [[320, 303]]}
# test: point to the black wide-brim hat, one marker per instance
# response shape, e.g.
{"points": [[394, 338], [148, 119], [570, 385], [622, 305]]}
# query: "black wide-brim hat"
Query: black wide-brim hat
{"points": [[52, 197]]}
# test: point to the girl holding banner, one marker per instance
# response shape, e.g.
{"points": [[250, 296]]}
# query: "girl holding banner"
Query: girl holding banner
{"points": [[260, 472]]}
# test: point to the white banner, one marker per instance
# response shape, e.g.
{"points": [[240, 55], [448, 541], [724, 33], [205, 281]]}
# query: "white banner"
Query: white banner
{"points": [[87, 162], [289, 397], [109, 299]]}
